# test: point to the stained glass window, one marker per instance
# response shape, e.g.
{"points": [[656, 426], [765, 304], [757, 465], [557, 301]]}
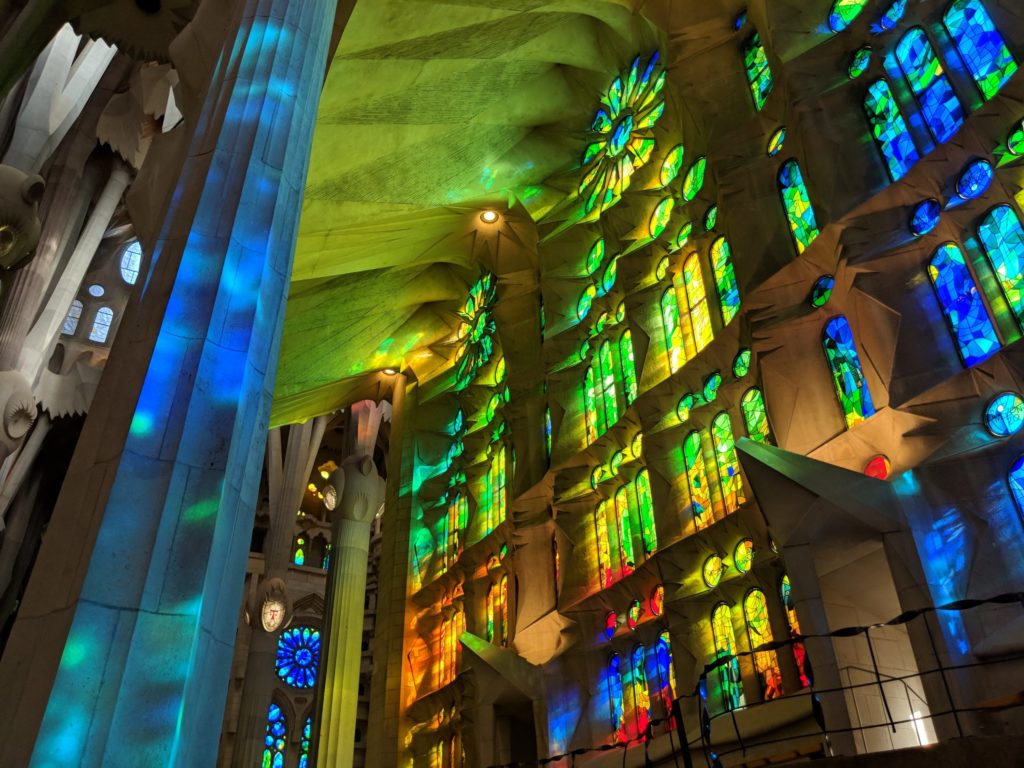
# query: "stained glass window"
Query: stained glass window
{"points": [[728, 463], [585, 302], [492, 601], [101, 325], [878, 467], [859, 62], [712, 571], [799, 651], [503, 608], [1002, 237], [634, 614], [493, 500], [684, 406], [980, 45], [638, 696], [942, 111], [299, 550], [693, 182], [673, 330], [777, 141], [743, 555], [962, 305], [671, 166], [725, 279], [131, 262], [1016, 479], [547, 431], [730, 688], [1004, 416], [276, 738], [975, 180], [657, 602], [458, 519], [298, 656], [611, 403], [624, 530], [797, 203], [890, 130], [628, 365], [711, 218], [604, 550], [595, 257], [475, 336], [1015, 141], [844, 12], [452, 627], [664, 677], [821, 291], [697, 330], [660, 217], [71, 319], [645, 505], [614, 684], [759, 632], [741, 363], [755, 416], [758, 73], [307, 736], [925, 217], [847, 376], [621, 139], [697, 480], [682, 237]]}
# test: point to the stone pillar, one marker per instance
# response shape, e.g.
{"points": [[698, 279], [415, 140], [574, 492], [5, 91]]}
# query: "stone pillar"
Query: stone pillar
{"points": [[122, 649], [360, 492]]}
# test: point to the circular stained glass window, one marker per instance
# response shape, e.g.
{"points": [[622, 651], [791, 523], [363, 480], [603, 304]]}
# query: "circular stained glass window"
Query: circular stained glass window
{"points": [[298, 656], [776, 142], [711, 386], [586, 302], [638, 445], [686, 403], [741, 364], [713, 570], [1005, 414], [694, 181], [711, 218], [330, 497], [843, 13], [821, 291], [636, 610], [859, 63], [672, 165], [682, 237], [879, 467], [925, 217], [596, 257], [661, 270], [96, 290], [661, 216], [658, 600], [975, 180], [611, 623], [1015, 141], [743, 556]]}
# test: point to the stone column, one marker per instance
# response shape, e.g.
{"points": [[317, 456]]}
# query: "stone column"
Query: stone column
{"points": [[360, 492], [122, 649]]}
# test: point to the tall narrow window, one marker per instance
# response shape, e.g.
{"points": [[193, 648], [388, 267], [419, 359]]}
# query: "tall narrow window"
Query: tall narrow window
{"points": [[664, 677], [101, 325], [299, 550], [890, 130], [759, 632], [494, 490], [728, 463], [492, 602], [645, 505], [730, 689], [458, 519], [594, 415], [847, 376], [697, 481], [611, 403], [673, 330], [725, 279], [942, 111], [758, 73], [503, 613], [604, 549], [755, 416], [637, 694], [962, 305], [276, 739], [799, 651], [797, 203], [614, 684], [71, 319], [980, 45], [307, 736], [1002, 237], [699, 321], [628, 366], [131, 261], [624, 529]]}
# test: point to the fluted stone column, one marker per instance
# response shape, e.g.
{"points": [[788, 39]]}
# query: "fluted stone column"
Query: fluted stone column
{"points": [[360, 492], [122, 649]]}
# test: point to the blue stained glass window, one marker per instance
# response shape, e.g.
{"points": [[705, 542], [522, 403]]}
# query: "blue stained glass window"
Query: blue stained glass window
{"points": [[1017, 484], [962, 305], [890, 130], [1002, 237], [847, 376], [307, 735], [1004, 416], [615, 694], [942, 111], [980, 45], [298, 656], [893, 14], [276, 738], [975, 180], [925, 217]]}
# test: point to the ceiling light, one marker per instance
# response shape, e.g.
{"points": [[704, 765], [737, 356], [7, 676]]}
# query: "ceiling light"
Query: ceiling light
{"points": [[489, 217], [390, 371], [324, 474]]}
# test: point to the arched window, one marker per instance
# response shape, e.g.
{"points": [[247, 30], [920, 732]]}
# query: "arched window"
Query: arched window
{"points": [[492, 599], [725, 279], [942, 111], [758, 73], [624, 530], [299, 550], [451, 630], [890, 130], [673, 330], [628, 366], [503, 605], [962, 305], [980, 45], [608, 383], [645, 505], [799, 651], [131, 262], [458, 519], [663, 675], [847, 376], [728, 464], [601, 405], [755, 416], [1002, 237], [637, 698], [614, 685], [797, 203], [101, 325], [604, 549], [493, 500], [697, 480], [71, 319], [276, 738], [298, 656], [307, 735], [697, 331], [759, 632], [730, 688]]}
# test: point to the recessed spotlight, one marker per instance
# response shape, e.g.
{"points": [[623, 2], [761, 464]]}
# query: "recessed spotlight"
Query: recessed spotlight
{"points": [[489, 217], [390, 371]]}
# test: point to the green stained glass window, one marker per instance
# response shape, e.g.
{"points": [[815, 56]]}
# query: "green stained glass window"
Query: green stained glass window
{"points": [[759, 75], [694, 179], [611, 273], [604, 550], [673, 330], [980, 45], [595, 257], [660, 217], [608, 383], [797, 203], [712, 571], [628, 364], [661, 270], [492, 600], [711, 386], [728, 462], [590, 410], [672, 165], [889, 130], [620, 311], [725, 280], [844, 12], [743, 555], [547, 430], [777, 141], [276, 738], [1015, 141], [307, 735], [585, 302], [711, 218], [759, 633], [962, 305], [697, 480], [939, 105], [475, 336], [741, 363], [493, 499], [624, 529], [755, 416], [821, 291], [645, 504], [859, 62], [634, 614], [1002, 237], [697, 330], [847, 376], [685, 405], [730, 687], [617, 460], [683, 236], [637, 446]]}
